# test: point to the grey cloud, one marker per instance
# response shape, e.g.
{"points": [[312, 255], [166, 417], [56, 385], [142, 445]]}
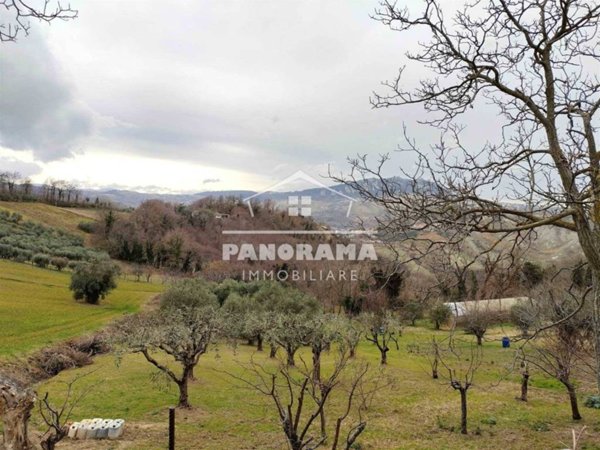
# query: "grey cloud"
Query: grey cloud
{"points": [[211, 180], [26, 169], [38, 110], [223, 84]]}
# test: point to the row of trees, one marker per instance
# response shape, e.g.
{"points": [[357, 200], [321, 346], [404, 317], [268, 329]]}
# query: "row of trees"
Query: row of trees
{"points": [[25, 241], [194, 314], [17, 188]]}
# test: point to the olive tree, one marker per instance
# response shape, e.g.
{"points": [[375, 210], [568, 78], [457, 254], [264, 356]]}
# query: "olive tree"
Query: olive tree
{"points": [[289, 312], [298, 400], [383, 330], [93, 280], [184, 327], [440, 314]]}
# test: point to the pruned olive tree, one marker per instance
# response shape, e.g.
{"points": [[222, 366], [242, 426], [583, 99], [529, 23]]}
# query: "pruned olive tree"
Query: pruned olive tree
{"points": [[299, 400], [290, 312], [183, 328], [536, 63], [383, 330]]}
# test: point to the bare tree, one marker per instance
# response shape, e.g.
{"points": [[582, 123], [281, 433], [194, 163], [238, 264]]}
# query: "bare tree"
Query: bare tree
{"points": [[20, 13], [535, 61], [56, 417], [461, 361], [434, 355], [299, 400], [561, 350]]}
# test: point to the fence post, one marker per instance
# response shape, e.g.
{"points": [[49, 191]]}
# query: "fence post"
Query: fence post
{"points": [[171, 428]]}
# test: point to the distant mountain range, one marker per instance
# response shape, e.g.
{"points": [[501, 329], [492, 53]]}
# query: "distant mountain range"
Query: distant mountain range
{"points": [[326, 205], [129, 198]]}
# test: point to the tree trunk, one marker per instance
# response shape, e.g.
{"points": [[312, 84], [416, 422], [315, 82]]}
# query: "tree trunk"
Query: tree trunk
{"points": [[434, 369], [384, 355], [259, 343], [191, 375], [316, 359], [352, 351], [290, 357], [463, 410], [184, 401], [15, 408], [573, 400], [50, 442], [524, 384], [272, 351], [596, 323], [479, 339]]}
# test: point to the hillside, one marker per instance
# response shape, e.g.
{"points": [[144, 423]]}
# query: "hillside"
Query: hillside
{"points": [[63, 218], [25, 240], [412, 411], [37, 308]]}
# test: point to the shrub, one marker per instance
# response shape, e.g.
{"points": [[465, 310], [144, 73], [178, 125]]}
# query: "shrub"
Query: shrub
{"points": [[440, 314], [24, 255], [41, 260], [92, 281], [522, 318], [593, 401], [87, 227], [95, 344], [412, 311], [59, 263], [7, 251], [51, 361], [532, 274]]}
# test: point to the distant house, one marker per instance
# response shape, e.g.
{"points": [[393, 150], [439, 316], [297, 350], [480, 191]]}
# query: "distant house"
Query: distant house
{"points": [[221, 216], [494, 305]]}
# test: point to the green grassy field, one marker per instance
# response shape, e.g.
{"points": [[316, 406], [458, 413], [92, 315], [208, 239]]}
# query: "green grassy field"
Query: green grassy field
{"points": [[413, 412], [37, 308]]}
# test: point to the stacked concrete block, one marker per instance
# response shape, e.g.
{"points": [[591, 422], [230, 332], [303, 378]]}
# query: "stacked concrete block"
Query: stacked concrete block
{"points": [[97, 429]]}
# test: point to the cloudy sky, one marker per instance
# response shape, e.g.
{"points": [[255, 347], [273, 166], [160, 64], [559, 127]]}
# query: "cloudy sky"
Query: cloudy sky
{"points": [[192, 96]]}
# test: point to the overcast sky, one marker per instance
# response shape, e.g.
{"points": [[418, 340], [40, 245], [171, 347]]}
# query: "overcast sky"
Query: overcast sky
{"points": [[192, 96]]}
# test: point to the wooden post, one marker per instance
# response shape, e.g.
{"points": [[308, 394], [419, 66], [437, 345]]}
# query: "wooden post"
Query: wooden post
{"points": [[171, 428]]}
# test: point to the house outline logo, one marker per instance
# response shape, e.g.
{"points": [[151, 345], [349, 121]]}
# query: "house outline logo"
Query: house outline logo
{"points": [[299, 204]]}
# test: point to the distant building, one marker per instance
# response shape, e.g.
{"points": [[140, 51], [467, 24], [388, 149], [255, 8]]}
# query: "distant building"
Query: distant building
{"points": [[494, 305]]}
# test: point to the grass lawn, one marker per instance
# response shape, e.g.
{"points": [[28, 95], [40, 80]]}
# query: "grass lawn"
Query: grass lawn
{"points": [[37, 308], [413, 412]]}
